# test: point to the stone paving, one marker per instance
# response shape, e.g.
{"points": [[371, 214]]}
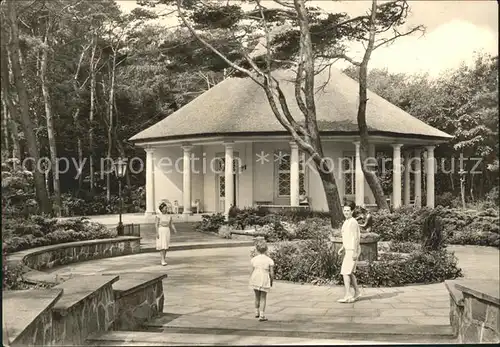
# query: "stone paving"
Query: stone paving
{"points": [[213, 283]]}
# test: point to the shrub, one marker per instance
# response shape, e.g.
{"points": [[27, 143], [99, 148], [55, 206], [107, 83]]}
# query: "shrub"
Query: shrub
{"points": [[313, 261], [458, 225], [404, 247], [493, 196], [418, 267], [313, 228], [446, 199], [432, 233], [224, 231], [401, 225], [134, 200], [276, 232], [35, 231], [211, 223]]}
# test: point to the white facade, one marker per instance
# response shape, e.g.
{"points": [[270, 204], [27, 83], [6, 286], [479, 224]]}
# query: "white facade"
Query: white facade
{"points": [[259, 179]]}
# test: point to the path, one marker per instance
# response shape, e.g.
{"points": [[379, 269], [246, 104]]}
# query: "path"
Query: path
{"points": [[213, 282]]}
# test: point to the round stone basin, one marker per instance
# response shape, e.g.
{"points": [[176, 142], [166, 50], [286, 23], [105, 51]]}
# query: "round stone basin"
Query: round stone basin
{"points": [[368, 244]]}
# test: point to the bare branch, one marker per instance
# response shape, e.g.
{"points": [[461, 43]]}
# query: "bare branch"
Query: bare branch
{"points": [[282, 119], [284, 4], [298, 87], [398, 35]]}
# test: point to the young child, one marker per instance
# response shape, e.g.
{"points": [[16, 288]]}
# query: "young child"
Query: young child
{"points": [[351, 249], [261, 279]]}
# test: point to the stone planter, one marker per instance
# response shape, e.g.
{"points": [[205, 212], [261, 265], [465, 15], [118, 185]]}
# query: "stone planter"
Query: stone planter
{"points": [[368, 242]]}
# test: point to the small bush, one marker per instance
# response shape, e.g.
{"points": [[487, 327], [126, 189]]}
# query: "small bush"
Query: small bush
{"points": [[493, 196], [404, 247], [446, 199], [211, 223], [312, 261], [224, 231], [432, 233]]}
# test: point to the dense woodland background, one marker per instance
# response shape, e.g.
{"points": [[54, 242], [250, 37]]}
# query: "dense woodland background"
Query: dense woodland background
{"points": [[80, 77]]}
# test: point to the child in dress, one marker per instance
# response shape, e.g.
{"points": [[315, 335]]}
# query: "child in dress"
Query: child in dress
{"points": [[261, 279], [351, 249]]}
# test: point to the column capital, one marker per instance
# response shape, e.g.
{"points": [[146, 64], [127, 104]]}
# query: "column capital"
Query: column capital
{"points": [[397, 146], [430, 148], [187, 147], [294, 145], [357, 143], [228, 144], [149, 149]]}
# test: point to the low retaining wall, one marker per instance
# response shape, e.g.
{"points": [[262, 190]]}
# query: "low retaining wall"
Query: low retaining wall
{"points": [[65, 253], [475, 310], [86, 307], [139, 297], [72, 312]]}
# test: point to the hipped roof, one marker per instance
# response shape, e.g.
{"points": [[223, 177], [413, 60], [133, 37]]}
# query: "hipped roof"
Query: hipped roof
{"points": [[239, 107]]}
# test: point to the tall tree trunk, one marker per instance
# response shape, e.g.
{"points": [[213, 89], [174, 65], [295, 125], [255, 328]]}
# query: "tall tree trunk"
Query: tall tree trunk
{"points": [[11, 110], [16, 145], [5, 123], [119, 146], [110, 124], [368, 170], [76, 120], [50, 125], [91, 115], [42, 197], [308, 107]]}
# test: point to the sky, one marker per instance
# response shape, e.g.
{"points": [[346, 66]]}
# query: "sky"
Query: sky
{"points": [[455, 31]]}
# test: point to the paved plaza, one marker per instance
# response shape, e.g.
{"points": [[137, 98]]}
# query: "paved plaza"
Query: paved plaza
{"points": [[213, 283]]}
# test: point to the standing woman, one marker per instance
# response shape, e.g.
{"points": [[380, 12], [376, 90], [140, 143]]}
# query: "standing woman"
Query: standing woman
{"points": [[351, 249], [164, 225]]}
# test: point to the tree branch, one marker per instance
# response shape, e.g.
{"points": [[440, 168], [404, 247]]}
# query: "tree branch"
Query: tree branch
{"points": [[213, 49], [398, 35]]}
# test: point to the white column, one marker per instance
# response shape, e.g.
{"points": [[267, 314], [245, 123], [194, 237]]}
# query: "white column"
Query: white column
{"points": [[430, 176], [360, 178], [396, 175], [150, 182], [228, 177], [418, 177], [406, 192], [186, 181], [294, 174]]}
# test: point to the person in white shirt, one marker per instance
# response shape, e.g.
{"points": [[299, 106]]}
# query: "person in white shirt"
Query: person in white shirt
{"points": [[351, 249]]}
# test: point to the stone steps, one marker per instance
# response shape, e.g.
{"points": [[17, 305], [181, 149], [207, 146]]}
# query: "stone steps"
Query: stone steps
{"points": [[142, 338], [189, 324]]}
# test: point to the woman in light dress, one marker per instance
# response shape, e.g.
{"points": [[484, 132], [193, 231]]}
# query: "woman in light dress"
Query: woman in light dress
{"points": [[261, 279], [164, 226], [351, 249]]}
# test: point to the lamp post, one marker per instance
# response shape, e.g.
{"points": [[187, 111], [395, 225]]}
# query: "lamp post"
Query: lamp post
{"points": [[120, 169]]}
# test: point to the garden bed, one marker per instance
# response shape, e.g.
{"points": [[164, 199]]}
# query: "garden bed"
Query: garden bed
{"points": [[35, 231], [317, 262]]}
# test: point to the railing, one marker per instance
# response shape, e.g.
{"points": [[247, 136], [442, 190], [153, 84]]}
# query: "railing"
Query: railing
{"points": [[132, 230]]}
